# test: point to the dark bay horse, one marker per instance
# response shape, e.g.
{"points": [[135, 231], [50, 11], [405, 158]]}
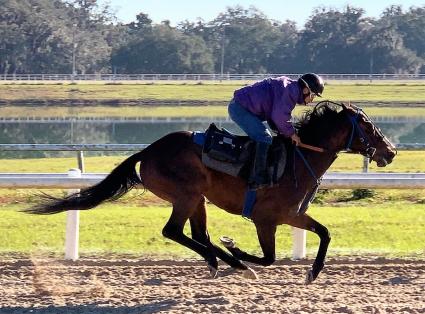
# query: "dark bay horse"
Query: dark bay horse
{"points": [[172, 169]]}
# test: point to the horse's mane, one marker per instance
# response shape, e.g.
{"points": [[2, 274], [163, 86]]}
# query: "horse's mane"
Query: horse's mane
{"points": [[317, 121]]}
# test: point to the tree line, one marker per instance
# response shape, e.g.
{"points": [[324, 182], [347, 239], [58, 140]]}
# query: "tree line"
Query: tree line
{"points": [[80, 36]]}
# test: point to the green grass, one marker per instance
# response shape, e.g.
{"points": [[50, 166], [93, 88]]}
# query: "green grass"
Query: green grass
{"points": [[352, 91], [389, 230], [391, 222], [405, 161], [221, 92], [171, 111]]}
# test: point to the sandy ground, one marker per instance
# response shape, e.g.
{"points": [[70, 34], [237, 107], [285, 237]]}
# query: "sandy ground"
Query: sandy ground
{"points": [[96, 285]]}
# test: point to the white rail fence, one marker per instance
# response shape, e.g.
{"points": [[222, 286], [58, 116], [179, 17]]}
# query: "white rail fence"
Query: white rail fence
{"points": [[332, 180], [75, 179], [154, 120], [197, 77]]}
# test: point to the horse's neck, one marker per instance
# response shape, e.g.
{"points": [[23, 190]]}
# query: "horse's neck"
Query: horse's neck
{"points": [[327, 161], [324, 160], [333, 142], [319, 162]]}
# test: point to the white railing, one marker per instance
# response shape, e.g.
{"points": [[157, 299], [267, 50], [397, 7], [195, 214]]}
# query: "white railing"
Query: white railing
{"points": [[332, 180], [149, 120], [198, 77], [125, 147]]}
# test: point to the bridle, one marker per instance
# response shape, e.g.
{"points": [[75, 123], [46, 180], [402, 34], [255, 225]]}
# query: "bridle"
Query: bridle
{"points": [[369, 150]]}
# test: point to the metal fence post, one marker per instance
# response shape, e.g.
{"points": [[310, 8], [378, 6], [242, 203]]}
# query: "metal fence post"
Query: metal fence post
{"points": [[80, 158], [365, 164], [72, 224]]}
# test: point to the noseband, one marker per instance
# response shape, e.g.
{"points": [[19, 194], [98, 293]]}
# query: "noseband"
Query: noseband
{"points": [[357, 130]]}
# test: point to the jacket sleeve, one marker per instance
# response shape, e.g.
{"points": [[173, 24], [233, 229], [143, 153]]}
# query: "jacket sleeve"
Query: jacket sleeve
{"points": [[282, 120], [281, 116]]}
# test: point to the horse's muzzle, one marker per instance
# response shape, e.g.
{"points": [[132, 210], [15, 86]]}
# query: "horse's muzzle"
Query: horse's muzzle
{"points": [[386, 159]]}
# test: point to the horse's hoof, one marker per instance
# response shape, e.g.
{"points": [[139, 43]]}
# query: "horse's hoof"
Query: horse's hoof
{"points": [[249, 273], [213, 271], [309, 278], [228, 242]]}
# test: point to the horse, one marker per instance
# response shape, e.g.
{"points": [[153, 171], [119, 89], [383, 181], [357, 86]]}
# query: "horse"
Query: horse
{"points": [[171, 168]]}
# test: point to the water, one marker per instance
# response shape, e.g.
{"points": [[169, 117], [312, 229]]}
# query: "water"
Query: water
{"points": [[64, 132]]}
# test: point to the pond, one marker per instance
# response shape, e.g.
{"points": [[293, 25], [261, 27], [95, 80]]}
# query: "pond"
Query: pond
{"points": [[143, 131]]}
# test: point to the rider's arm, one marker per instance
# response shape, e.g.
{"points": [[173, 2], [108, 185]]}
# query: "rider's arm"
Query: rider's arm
{"points": [[281, 117]]}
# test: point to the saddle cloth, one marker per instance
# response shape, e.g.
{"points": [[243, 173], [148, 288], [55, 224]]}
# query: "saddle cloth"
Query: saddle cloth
{"points": [[234, 155]]}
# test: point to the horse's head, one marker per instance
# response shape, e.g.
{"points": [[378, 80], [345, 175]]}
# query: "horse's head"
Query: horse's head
{"points": [[365, 138]]}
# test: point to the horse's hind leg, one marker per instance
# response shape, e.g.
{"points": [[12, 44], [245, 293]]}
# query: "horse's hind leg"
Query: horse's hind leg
{"points": [[198, 224], [174, 230], [266, 237]]}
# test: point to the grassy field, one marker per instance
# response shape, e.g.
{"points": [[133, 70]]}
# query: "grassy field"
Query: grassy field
{"points": [[348, 92], [394, 230], [405, 161], [220, 92], [170, 111], [387, 222]]}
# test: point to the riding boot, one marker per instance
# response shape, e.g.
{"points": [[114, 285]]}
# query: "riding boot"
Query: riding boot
{"points": [[259, 176]]}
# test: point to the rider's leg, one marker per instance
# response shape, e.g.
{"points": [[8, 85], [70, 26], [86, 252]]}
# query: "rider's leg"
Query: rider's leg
{"points": [[256, 130], [259, 177]]}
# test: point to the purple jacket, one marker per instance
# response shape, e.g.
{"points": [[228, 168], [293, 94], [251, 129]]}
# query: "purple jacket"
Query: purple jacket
{"points": [[272, 100]]}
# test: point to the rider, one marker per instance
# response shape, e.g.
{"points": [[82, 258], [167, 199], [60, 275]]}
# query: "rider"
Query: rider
{"points": [[271, 100]]}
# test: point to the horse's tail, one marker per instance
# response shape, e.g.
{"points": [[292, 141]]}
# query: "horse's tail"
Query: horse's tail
{"points": [[121, 180]]}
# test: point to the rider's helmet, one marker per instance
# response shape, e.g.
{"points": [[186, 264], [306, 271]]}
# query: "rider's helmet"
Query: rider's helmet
{"points": [[313, 82]]}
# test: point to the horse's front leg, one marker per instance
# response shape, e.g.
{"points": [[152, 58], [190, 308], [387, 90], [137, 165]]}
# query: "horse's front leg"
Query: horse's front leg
{"points": [[198, 225], [307, 223], [266, 236]]}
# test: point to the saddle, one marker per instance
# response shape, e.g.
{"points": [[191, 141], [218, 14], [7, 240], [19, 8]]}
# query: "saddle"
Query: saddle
{"points": [[234, 155]]}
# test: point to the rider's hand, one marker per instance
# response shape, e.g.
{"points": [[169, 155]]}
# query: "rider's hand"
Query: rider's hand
{"points": [[295, 139]]}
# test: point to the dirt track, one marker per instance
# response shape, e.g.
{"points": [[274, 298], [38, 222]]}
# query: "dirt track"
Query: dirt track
{"points": [[137, 286]]}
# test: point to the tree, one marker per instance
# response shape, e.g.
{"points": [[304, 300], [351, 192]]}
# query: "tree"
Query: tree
{"points": [[30, 36], [411, 28], [284, 58], [327, 44], [248, 38], [163, 50], [40, 36]]}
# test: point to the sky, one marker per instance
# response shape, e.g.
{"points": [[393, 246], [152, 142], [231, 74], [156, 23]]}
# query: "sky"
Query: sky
{"points": [[281, 10]]}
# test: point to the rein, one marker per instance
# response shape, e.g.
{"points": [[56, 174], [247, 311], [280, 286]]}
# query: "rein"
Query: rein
{"points": [[308, 198], [307, 164]]}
